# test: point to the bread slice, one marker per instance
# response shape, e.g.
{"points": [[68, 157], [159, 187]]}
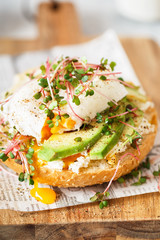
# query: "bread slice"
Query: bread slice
{"points": [[94, 173]]}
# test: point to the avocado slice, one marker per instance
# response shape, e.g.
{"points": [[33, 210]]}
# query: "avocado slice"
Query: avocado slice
{"points": [[134, 93], [63, 145], [106, 143]]}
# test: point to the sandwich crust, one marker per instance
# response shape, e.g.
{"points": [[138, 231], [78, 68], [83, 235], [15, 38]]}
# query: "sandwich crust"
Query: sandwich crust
{"points": [[90, 176]]}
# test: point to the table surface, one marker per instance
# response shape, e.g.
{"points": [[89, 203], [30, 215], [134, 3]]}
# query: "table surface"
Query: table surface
{"points": [[144, 55]]}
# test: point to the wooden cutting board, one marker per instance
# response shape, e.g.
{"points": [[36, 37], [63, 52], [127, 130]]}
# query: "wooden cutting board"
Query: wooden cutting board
{"points": [[58, 24]]}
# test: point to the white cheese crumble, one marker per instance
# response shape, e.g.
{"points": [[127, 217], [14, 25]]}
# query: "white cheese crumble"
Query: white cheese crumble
{"points": [[82, 162], [145, 127], [57, 165]]}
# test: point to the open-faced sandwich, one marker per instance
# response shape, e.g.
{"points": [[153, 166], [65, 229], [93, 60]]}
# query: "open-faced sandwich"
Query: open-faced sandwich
{"points": [[75, 124]]}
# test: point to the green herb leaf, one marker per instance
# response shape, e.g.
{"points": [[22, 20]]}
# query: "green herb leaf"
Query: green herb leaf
{"points": [[84, 78], [42, 107], [43, 82], [51, 125], [26, 175], [105, 203], [31, 151], [112, 65], [76, 100], [65, 115], [103, 77], [54, 66], [37, 95], [30, 161], [146, 164], [106, 194], [67, 76], [89, 92], [29, 156], [94, 198], [156, 173], [3, 156], [43, 69], [32, 168], [21, 177], [49, 121], [78, 139], [31, 182], [121, 180], [80, 71], [120, 78], [78, 89], [99, 118], [101, 205], [53, 105], [142, 180], [63, 102], [11, 155]]}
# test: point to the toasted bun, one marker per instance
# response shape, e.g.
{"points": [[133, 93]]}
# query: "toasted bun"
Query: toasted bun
{"points": [[95, 174]]}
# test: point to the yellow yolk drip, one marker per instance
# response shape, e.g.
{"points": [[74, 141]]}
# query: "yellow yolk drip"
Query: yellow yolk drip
{"points": [[44, 195], [70, 159], [63, 123]]}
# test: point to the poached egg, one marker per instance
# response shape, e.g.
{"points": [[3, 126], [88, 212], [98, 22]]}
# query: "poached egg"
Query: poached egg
{"points": [[22, 111]]}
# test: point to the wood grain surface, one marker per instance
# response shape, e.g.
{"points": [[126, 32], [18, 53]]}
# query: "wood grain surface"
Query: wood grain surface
{"points": [[136, 217]]}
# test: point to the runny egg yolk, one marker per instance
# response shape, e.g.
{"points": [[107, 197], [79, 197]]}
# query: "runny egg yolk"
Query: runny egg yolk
{"points": [[63, 123], [44, 195], [47, 195]]}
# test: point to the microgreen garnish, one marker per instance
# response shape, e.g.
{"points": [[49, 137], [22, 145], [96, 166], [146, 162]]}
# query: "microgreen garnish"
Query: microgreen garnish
{"points": [[58, 117], [62, 103], [42, 107], [43, 69], [121, 180], [32, 168], [65, 115], [51, 125], [21, 177], [53, 105], [120, 78], [37, 95], [141, 180], [100, 197], [156, 173], [43, 82], [76, 100], [103, 77], [78, 89], [3, 156], [49, 121], [89, 92], [70, 75], [146, 164], [84, 78], [104, 63], [78, 139], [99, 117], [11, 155], [112, 65]]}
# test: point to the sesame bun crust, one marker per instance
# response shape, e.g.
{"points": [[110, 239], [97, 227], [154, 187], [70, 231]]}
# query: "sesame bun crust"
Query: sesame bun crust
{"points": [[97, 175]]}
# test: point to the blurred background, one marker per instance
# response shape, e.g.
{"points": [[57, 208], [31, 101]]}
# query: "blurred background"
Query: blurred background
{"points": [[138, 18]]}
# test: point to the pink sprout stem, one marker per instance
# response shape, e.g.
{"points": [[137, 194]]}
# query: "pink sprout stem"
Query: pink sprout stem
{"points": [[109, 184], [118, 115], [128, 125]]}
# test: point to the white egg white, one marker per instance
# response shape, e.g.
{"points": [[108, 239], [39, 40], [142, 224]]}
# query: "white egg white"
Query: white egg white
{"points": [[23, 112]]}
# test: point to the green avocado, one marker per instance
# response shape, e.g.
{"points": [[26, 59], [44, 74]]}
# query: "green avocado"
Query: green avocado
{"points": [[133, 93], [106, 143], [63, 145]]}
